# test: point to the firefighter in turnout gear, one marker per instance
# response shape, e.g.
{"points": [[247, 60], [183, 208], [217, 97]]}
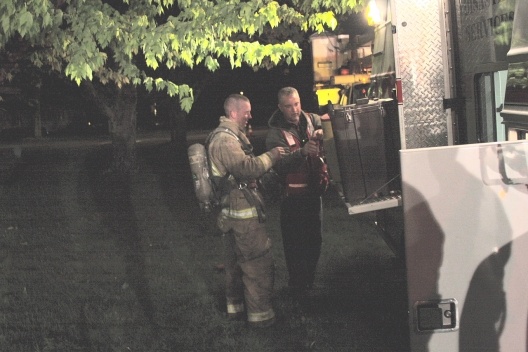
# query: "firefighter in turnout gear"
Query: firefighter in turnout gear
{"points": [[301, 206], [249, 266]]}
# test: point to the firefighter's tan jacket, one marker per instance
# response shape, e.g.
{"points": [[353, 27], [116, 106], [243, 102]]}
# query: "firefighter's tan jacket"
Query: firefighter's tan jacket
{"points": [[227, 156]]}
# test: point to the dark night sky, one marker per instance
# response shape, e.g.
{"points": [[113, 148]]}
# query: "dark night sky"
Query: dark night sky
{"points": [[260, 87]]}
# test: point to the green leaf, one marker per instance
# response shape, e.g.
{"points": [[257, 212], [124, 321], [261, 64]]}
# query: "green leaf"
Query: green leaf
{"points": [[211, 63], [4, 20], [186, 103], [172, 89], [46, 20], [151, 60], [26, 19], [87, 72], [25, 23], [148, 82]]}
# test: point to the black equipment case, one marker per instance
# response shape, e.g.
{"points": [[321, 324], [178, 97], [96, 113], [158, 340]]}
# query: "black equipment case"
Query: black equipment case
{"points": [[367, 147]]}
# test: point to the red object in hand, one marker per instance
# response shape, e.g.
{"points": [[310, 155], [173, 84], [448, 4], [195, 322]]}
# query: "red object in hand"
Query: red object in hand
{"points": [[319, 177], [318, 169]]}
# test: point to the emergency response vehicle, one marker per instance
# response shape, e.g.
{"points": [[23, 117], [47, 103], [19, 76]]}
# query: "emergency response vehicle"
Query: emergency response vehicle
{"points": [[428, 120]]}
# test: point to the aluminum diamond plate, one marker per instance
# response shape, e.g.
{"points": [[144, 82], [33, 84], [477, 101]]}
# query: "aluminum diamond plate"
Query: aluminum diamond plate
{"points": [[418, 28]]}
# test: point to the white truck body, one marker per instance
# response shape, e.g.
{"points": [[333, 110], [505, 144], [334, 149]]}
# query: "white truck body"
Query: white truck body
{"points": [[465, 231], [461, 86]]}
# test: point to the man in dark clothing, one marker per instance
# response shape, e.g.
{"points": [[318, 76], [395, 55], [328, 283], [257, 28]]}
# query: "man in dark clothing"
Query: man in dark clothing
{"points": [[301, 206]]}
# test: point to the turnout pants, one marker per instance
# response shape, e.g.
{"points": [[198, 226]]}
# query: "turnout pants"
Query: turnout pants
{"points": [[301, 226], [249, 270]]}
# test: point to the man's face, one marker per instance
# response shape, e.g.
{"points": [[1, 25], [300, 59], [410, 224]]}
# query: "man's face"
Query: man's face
{"points": [[290, 106], [242, 114]]}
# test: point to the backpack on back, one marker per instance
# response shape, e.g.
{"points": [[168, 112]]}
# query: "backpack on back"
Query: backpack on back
{"points": [[203, 187], [209, 189]]}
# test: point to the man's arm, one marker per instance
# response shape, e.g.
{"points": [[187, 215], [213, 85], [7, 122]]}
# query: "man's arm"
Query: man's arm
{"points": [[227, 152], [290, 161]]}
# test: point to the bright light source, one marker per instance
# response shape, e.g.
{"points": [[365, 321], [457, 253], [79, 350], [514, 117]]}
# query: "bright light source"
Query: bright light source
{"points": [[373, 14]]}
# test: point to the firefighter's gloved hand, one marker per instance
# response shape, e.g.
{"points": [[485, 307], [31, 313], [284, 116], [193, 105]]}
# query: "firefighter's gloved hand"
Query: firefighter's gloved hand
{"points": [[311, 148], [279, 152]]}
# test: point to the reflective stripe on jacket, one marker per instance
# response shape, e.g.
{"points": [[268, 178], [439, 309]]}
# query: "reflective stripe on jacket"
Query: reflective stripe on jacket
{"points": [[296, 181]]}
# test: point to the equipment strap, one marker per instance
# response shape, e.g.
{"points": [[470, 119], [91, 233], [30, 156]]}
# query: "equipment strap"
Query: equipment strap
{"points": [[251, 196]]}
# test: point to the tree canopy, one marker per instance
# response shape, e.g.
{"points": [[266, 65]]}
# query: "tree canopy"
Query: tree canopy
{"points": [[129, 41]]}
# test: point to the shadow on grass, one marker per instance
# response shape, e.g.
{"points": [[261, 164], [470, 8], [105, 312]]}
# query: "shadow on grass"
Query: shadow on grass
{"points": [[112, 194], [170, 164]]}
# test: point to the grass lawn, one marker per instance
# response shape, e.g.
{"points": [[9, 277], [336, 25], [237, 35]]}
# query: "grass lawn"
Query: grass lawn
{"points": [[89, 262]]}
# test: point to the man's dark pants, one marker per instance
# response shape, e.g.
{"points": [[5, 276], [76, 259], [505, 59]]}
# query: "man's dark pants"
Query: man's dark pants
{"points": [[301, 226]]}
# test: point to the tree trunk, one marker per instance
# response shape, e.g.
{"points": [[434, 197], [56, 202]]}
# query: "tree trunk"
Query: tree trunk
{"points": [[119, 105], [33, 97], [122, 128], [178, 128], [176, 116]]}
